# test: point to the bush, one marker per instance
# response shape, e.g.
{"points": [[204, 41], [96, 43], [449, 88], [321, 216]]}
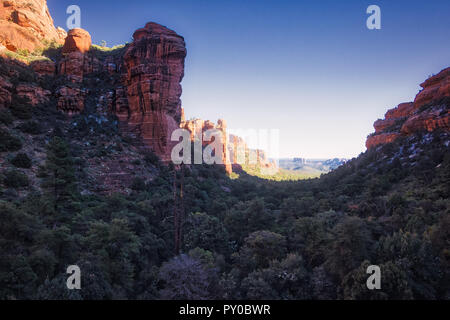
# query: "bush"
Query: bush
{"points": [[21, 160], [6, 117], [9, 142], [138, 184], [151, 158], [21, 108], [15, 179], [31, 127]]}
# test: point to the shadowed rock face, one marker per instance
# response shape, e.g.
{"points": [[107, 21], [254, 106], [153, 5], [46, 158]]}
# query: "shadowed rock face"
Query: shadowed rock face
{"points": [[44, 67], [71, 100], [153, 71], [75, 62], [5, 92], [25, 23], [428, 112], [34, 93]]}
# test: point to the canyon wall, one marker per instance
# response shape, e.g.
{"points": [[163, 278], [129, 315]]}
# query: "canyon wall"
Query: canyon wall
{"points": [[198, 127], [25, 24], [428, 112], [236, 152], [152, 75]]}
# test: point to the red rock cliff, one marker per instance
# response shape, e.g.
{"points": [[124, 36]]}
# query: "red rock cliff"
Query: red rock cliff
{"points": [[24, 24], [428, 112], [198, 127], [153, 71]]}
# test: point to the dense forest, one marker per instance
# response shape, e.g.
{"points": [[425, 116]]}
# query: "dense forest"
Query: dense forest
{"points": [[195, 233]]}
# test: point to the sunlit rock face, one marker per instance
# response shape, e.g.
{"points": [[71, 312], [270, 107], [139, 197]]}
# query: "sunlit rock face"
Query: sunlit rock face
{"points": [[198, 127], [434, 89], [428, 112], [75, 62], [153, 71], [77, 40], [25, 24]]}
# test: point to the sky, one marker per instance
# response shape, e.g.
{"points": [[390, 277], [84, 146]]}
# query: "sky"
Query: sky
{"points": [[311, 69]]}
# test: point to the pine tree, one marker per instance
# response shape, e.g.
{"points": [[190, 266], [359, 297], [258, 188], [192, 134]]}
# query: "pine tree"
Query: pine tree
{"points": [[59, 176]]}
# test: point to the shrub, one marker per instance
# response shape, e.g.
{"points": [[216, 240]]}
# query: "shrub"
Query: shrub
{"points": [[138, 184], [9, 142], [31, 127], [21, 160], [15, 179], [6, 117], [21, 108], [151, 158]]}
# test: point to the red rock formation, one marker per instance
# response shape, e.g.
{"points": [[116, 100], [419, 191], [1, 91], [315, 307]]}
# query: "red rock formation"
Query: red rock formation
{"points": [[195, 127], [428, 112], [382, 138], [77, 40], [44, 67], [435, 88], [72, 65], [154, 68], [33, 92], [382, 125], [76, 63], [238, 150], [5, 92], [222, 127], [198, 127], [24, 24], [71, 100], [402, 111], [428, 121]]}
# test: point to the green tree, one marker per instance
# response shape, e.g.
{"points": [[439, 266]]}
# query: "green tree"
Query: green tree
{"points": [[58, 173], [206, 232], [351, 246], [259, 249]]}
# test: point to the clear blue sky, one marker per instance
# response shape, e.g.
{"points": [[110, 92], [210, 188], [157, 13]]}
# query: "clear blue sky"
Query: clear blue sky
{"points": [[309, 68]]}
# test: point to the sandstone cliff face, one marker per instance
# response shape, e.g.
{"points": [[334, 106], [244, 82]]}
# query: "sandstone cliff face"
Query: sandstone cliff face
{"points": [[235, 152], [241, 154], [33, 92], [71, 100], [428, 112], [5, 92], [153, 71], [198, 127], [24, 24], [76, 62], [44, 67]]}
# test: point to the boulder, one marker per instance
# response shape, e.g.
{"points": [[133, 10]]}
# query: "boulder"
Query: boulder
{"points": [[77, 40]]}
